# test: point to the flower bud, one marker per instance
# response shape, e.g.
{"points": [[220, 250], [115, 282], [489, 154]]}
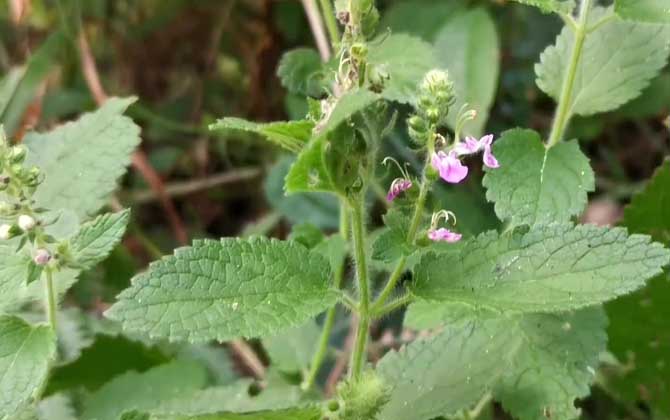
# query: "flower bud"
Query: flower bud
{"points": [[32, 177], [17, 154], [26, 222], [42, 257], [436, 96], [5, 232]]}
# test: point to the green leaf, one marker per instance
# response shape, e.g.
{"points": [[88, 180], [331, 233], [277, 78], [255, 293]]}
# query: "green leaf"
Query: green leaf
{"points": [[218, 290], [536, 365], [392, 244], [306, 234], [291, 135], [648, 211], [292, 350], [120, 354], [26, 352], [390, 54], [618, 61], [468, 47], [97, 238], [34, 272], [654, 11], [310, 172], [307, 413], [419, 17], [547, 269], [535, 184], [20, 87], [558, 6], [318, 208], [143, 391], [639, 332], [652, 102], [334, 249], [57, 407], [83, 160], [302, 72]]}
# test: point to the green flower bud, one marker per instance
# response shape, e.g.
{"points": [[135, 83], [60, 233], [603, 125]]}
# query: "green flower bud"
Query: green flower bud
{"points": [[359, 51], [362, 398], [17, 154], [8, 231], [32, 177]]}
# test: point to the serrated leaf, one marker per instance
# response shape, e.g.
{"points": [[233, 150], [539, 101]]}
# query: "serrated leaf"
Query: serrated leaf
{"points": [[25, 354], [535, 184], [392, 243], [318, 208], [143, 391], [558, 6], [639, 332], [290, 135], [618, 61], [218, 290], [551, 268], [654, 11], [654, 100], [302, 72], [536, 365], [468, 47], [97, 238], [83, 160], [390, 53]]}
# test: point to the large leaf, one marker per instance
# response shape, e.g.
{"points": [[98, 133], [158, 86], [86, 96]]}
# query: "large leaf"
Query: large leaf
{"points": [[143, 391], [643, 10], [97, 238], [26, 352], [83, 160], [218, 290], [536, 365], [536, 184], [419, 17], [467, 46], [639, 331], [559, 6], [618, 60], [547, 269], [291, 135], [390, 52]]}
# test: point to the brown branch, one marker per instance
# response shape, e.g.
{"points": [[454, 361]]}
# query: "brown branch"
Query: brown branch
{"points": [[139, 160]]}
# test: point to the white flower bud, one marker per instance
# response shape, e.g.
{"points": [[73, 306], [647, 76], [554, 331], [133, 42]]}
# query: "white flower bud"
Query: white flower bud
{"points": [[5, 232], [26, 222], [42, 257]]}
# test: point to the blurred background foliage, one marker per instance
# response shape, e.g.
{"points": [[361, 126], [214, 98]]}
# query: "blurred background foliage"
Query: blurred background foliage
{"points": [[191, 61]]}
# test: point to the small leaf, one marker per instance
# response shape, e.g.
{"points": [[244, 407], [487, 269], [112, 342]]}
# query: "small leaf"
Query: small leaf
{"points": [[292, 351], [143, 391], [218, 290], [648, 211], [302, 72], [318, 208], [536, 365], [291, 135], [390, 53], [334, 249], [26, 351], [392, 243], [535, 184], [34, 272], [82, 160], [306, 234], [548, 269], [97, 238], [558, 6], [468, 47], [654, 11], [618, 61]]}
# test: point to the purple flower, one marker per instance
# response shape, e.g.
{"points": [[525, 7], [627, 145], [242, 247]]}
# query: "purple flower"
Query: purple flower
{"points": [[399, 185], [42, 257], [472, 145], [443, 234], [449, 166]]}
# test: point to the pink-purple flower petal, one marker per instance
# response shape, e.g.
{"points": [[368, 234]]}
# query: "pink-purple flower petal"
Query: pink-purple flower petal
{"points": [[449, 166], [467, 147], [489, 159], [444, 235], [398, 186]]}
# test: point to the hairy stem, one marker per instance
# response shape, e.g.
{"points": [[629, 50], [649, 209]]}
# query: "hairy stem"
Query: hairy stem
{"points": [[331, 24], [358, 234], [564, 110], [50, 299]]}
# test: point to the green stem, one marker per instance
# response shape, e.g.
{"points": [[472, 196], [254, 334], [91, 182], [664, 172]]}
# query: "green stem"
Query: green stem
{"points": [[344, 220], [411, 234], [50, 298], [398, 303], [331, 24], [358, 233], [564, 111]]}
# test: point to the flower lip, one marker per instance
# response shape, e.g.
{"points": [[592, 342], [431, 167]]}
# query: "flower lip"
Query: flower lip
{"points": [[471, 145], [444, 235], [449, 166], [398, 186]]}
